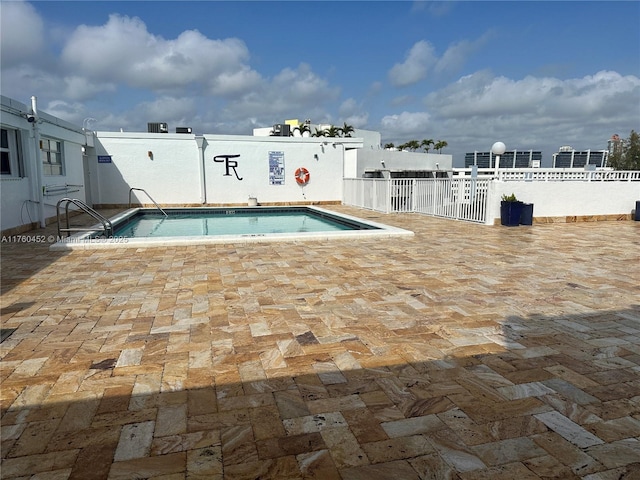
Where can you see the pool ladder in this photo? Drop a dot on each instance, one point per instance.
(145, 192)
(106, 224)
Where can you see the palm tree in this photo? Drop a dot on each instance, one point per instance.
(388, 146)
(412, 145)
(427, 144)
(319, 133)
(303, 127)
(440, 144)
(346, 130)
(332, 131)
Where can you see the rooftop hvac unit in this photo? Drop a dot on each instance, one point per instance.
(157, 128)
(183, 129)
(281, 130)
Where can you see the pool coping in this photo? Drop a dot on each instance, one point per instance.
(81, 241)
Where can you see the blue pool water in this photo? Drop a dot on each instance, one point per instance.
(231, 221)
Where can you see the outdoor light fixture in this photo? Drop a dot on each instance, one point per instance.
(150, 154)
(498, 149)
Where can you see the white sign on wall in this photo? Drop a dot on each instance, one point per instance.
(276, 168)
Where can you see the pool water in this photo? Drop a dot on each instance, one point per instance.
(215, 222)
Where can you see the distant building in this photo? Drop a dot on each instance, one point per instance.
(509, 159)
(567, 157)
(614, 145)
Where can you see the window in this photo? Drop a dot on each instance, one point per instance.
(10, 158)
(51, 151)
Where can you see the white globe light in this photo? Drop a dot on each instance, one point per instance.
(498, 148)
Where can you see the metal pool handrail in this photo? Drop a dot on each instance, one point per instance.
(154, 202)
(106, 223)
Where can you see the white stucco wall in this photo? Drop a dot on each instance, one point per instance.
(569, 198)
(170, 175)
(178, 172)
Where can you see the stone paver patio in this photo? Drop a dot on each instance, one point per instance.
(465, 352)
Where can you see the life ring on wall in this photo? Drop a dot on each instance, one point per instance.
(302, 176)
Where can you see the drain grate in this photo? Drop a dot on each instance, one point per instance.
(5, 333)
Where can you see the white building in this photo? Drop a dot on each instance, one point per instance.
(42, 161)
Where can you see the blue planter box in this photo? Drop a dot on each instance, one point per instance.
(510, 213)
(526, 218)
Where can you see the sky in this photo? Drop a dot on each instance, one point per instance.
(534, 75)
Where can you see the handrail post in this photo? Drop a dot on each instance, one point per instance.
(150, 198)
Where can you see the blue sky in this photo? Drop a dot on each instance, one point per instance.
(535, 75)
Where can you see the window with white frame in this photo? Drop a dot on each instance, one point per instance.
(52, 161)
(10, 155)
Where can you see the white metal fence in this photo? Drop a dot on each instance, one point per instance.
(456, 198)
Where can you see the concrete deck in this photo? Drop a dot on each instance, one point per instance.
(464, 352)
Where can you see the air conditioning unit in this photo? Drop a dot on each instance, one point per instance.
(157, 128)
(281, 130)
(183, 129)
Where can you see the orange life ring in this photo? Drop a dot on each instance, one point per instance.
(302, 176)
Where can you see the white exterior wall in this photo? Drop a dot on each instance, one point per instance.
(170, 175)
(180, 173)
(20, 195)
(570, 198)
(324, 163)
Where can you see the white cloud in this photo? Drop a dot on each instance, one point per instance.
(70, 111)
(546, 99)
(291, 93)
(176, 109)
(534, 113)
(435, 9)
(81, 88)
(422, 58)
(303, 85)
(21, 31)
(228, 84)
(123, 50)
(456, 55)
(406, 124)
(418, 61)
(353, 113)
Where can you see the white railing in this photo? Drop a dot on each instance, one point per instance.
(552, 174)
(369, 193)
(456, 198)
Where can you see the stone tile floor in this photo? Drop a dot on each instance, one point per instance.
(465, 352)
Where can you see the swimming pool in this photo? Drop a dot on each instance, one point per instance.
(148, 227)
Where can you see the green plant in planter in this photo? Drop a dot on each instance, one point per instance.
(510, 210)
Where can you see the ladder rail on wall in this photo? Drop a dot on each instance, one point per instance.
(145, 192)
(106, 223)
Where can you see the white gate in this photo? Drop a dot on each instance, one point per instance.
(456, 198)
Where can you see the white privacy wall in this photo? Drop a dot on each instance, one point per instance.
(226, 170)
(567, 198)
(251, 175)
(165, 165)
